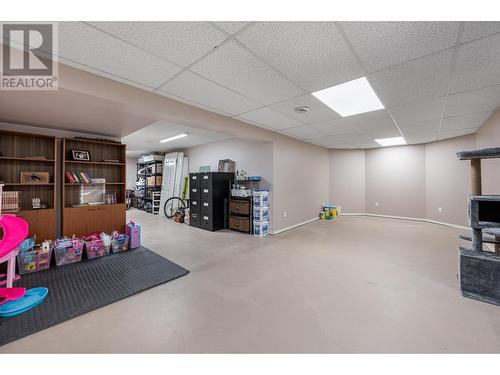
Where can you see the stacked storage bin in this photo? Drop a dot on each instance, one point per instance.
(261, 213)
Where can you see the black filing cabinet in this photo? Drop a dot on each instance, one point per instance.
(208, 197)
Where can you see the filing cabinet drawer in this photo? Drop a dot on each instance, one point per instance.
(194, 192)
(239, 207)
(205, 193)
(194, 205)
(206, 208)
(194, 180)
(205, 179)
(194, 219)
(206, 222)
(239, 223)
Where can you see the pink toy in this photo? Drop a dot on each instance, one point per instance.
(11, 294)
(15, 230)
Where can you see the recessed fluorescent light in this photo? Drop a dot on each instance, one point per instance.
(182, 135)
(396, 141)
(350, 98)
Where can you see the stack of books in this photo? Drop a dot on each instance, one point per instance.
(78, 178)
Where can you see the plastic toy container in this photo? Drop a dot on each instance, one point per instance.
(133, 231)
(261, 198)
(95, 246)
(261, 213)
(260, 228)
(68, 250)
(33, 260)
(119, 243)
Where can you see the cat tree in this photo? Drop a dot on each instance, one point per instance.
(479, 268)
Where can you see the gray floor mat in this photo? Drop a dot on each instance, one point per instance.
(76, 289)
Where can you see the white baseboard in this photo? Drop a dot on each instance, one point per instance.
(293, 226)
(409, 218)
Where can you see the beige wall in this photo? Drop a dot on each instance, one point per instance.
(415, 181)
(395, 178)
(489, 136)
(301, 182)
(447, 180)
(255, 158)
(347, 180)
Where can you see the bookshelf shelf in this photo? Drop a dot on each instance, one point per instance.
(81, 220)
(25, 152)
(94, 163)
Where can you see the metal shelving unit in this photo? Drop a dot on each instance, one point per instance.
(151, 170)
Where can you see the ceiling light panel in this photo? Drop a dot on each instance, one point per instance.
(395, 141)
(178, 136)
(350, 98)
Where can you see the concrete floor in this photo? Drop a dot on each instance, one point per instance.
(357, 285)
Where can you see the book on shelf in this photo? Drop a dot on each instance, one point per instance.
(84, 178)
(69, 177)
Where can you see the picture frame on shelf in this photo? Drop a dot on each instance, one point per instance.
(80, 155)
(35, 178)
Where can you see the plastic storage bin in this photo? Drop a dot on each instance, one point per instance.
(68, 250)
(261, 213)
(33, 259)
(261, 198)
(119, 243)
(95, 247)
(261, 228)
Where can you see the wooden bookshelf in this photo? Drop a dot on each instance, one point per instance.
(82, 220)
(24, 152)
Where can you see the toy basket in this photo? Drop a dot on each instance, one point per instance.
(119, 243)
(68, 250)
(33, 259)
(95, 247)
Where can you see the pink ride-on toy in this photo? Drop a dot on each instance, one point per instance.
(15, 230)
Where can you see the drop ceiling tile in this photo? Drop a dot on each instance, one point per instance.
(384, 44)
(179, 42)
(330, 140)
(419, 138)
(475, 30)
(196, 89)
(318, 112)
(312, 54)
(477, 64)
(234, 67)
(303, 132)
(231, 27)
(270, 119)
(469, 121)
(334, 127)
(420, 79)
(409, 114)
(456, 133)
(377, 124)
(421, 126)
(85, 45)
(482, 100)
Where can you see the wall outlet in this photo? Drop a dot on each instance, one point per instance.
(440, 209)
(377, 204)
(284, 213)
